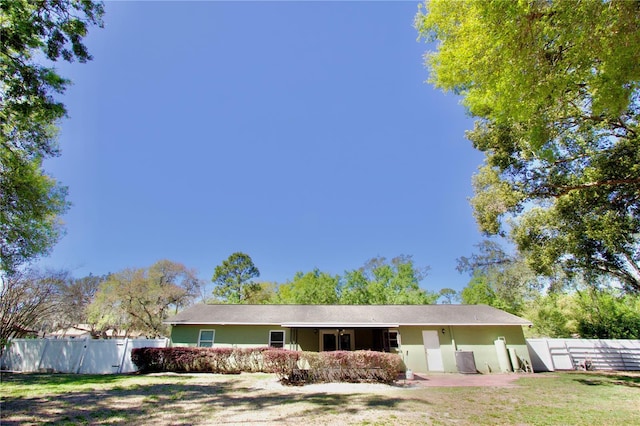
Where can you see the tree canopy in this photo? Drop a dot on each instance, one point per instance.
(28, 301)
(556, 90)
(312, 288)
(558, 306)
(499, 279)
(31, 33)
(381, 282)
(234, 278)
(140, 299)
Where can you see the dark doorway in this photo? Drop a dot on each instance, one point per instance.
(329, 342)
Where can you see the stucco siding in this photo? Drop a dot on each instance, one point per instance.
(411, 348)
(480, 340)
(308, 339)
(226, 336)
(477, 339)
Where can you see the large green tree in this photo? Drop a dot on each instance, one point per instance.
(384, 282)
(261, 293)
(500, 279)
(552, 315)
(32, 33)
(233, 278)
(555, 86)
(312, 288)
(607, 314)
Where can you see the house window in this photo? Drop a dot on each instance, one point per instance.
(394, 339)
(276, 339)
(205, 338)
(391, 340)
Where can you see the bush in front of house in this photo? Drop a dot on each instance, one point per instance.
(291, 367)
(281, 362)
(294, 367)
(347, 366)
(197, 360)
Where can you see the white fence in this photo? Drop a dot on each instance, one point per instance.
(571, 354)
(88, 356)
(84, 356)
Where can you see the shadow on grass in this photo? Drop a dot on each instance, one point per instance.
(174, 402)
(53, 379)
(609, 379)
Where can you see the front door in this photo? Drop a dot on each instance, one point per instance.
(336, 340)
(432, 350)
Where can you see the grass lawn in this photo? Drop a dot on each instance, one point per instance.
(559, 398)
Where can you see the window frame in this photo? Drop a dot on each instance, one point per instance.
(200, 340)
(386, 340)
(284, 338)
(397, 339)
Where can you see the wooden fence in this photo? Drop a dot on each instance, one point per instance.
(572, 354)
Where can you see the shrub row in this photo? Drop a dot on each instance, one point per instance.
(198, 360)
(346, 366)
(292, 367)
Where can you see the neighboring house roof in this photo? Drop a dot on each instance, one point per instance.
(331, 316)
(78, 330)
(84, 330)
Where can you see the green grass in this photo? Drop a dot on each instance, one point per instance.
(559, 398)
(586, 398)
(29, 385)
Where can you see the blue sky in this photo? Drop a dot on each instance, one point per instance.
(301, 133)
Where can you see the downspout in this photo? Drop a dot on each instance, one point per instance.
(453, 340)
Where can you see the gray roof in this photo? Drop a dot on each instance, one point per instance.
(344, 315)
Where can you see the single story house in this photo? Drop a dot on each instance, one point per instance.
(429, 338)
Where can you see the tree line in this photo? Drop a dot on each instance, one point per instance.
(378, 282)
(140, 299)
(558, 304)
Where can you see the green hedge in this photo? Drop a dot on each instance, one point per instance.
(292, 367)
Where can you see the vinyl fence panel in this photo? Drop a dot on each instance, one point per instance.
(571, 354)
(23, 354)
(102, 356)
(86, 356)
(62, 355)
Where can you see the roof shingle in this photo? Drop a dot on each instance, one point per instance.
(345, 315)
